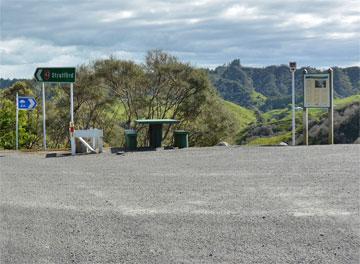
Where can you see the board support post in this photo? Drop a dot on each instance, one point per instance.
(306, 125)
(17, 121)
(331, 108)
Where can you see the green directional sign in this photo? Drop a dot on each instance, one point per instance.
(56, 75)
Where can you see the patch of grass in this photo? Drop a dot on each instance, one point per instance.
(257, 98)
(342, 102)
(243, 116)
(273, 140)
(275, 114)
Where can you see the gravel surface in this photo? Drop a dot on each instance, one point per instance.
(199, 205)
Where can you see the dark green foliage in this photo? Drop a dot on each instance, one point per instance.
(233, 91)
(354, 76)
(342, 84)
(5, 83)
(234, 84)
(28, 120)
(28, 126)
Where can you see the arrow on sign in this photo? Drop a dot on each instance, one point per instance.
(38, 74)
(26, 103)
(32, 103)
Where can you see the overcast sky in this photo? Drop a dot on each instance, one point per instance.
(208, 33)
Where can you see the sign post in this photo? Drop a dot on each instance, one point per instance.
(292, 66)
(44, 115)
(57, 75)
(72, 127)
(23, 103)
(17, 121)
(318, 93)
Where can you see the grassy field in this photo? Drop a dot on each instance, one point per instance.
(341, 102)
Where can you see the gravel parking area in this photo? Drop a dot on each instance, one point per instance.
(197, 205)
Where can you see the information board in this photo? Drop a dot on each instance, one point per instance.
(317, 90)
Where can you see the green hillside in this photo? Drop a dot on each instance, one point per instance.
(243, 116)
(274, 126)
(341, 102)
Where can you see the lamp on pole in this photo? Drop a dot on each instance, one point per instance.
(292, 66)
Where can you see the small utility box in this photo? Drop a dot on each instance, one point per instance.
(181, 139)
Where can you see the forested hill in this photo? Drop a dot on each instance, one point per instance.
(270, 87)
(5, 83)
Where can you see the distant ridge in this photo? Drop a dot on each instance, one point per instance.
(270, 87)
(5, 83)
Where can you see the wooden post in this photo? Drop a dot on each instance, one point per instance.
(331, 108)
(306, 125)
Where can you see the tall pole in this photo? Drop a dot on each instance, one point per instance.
(293, 108)
(331, 108)
(305, 117)
(292, 66)
(44, 115)
(17, 121)
(72, 129)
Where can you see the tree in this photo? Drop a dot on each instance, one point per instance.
(126, 82)
(176, 90)
(214, 124)
(28, 132)
(162, 88)
(23, 88)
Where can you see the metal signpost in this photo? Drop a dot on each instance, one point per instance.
(318, 93)
(23, 103)
(58, 75)
(292, 66)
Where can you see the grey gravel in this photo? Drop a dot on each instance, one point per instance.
(197, 205)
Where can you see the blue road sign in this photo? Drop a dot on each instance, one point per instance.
(26, 103)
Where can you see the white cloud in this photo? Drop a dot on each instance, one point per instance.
(28, 51)
(304, 20)
(116, 16)
(241, 12)
(342, 35)
(204, 32)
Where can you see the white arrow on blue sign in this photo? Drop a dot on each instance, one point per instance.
(26, 103)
